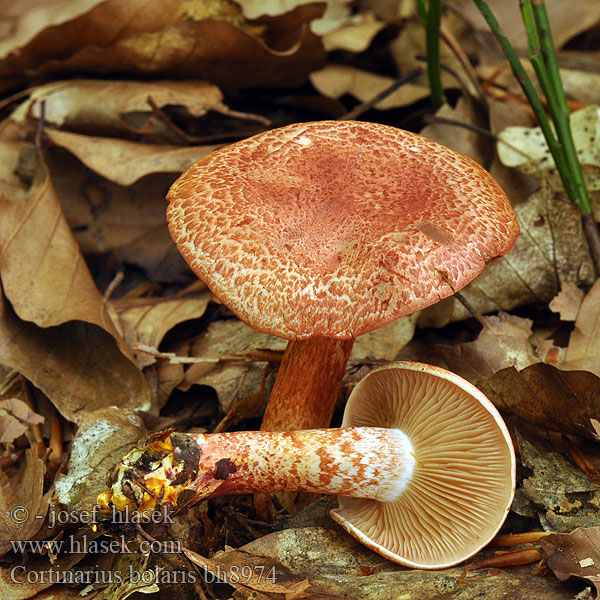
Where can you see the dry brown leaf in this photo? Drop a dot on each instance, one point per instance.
(547, 397)
(122, 108)
(77, 365)
(29, 19)
(335, 80)
(409, 47)
(384, 343)
(562, 495)
(195, 39)
(125, 162)
(566, 18)
(16, 417)
(583, 351)
(575, 554)
(581, 86)
(338, 27)
(550, 252)
(44, 274)
(147, 320)
(39, 34)
(567, 302)
(235, 380)
(22, 502)
(11, 185)
(461, 139)
(337, 566)
(526, 149)
(504, 342)
(263, 574)
(232, 380)
(129, 221)
(353, 34)
(103, 437)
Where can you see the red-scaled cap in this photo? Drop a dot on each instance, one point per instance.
(335, 228)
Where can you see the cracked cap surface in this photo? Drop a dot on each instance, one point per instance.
(335, 228)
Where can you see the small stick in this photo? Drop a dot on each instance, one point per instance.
(516, 539)
(37, 429)
(112, 286)
(55, 445)
(580, 459)
(469, 307)
(369, 104)
(463, 59)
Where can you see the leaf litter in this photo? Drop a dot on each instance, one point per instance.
(107, 343)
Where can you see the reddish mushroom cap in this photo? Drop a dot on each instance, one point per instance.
(335, 228)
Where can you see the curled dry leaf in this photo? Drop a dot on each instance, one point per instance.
(462, 139)
(39, 34)
(525, 149)
(336, 566)
(25, 494)
(128, 222)
(232, 380)
(409, 47)
(583, 351)
(126, 162)
(147, 320)
(384, 343)
(235, 380)
(122, 108)
(16, 417)
(353, 33)
(505, 341)
(338, 27)
(550, 252)
(164, 42)
(77, 365)
(567, 302)
(563, 496)
(567, 19)
(547, 397)
(264, 575)
(334, 81)
(44, 274)
(130, 575)
(102, 438)
(575, 554)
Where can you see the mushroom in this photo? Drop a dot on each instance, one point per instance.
(320, 232)
(423, 463)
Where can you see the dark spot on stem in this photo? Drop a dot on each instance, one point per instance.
(186, 452)
(223, 468)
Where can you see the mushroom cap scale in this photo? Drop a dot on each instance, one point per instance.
(463, 482)
(335, 228)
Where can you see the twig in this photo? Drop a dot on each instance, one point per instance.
(40, 126)
(113, 285)
(476, 129)
(162, 116)
(462, 57)
(369, 104)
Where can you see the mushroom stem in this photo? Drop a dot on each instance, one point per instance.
(307, 384)
(359, 462)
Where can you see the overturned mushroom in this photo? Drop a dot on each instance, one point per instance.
(320, 232)
(424, 466)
